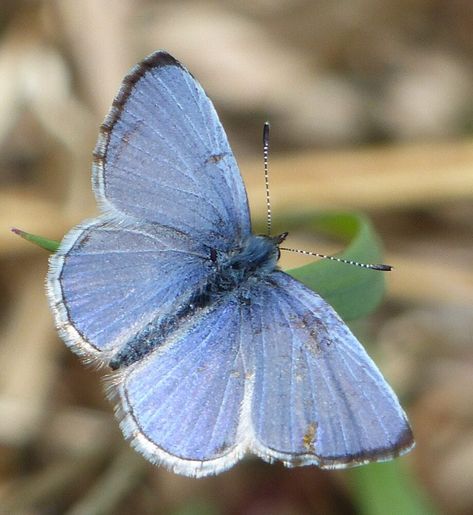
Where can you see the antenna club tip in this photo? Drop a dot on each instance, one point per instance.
(383, 268)
(266, 133)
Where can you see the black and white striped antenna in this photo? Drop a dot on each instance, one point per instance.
(370, 266)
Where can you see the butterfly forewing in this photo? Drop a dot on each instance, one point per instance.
(163, 156)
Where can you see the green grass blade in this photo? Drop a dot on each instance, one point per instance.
(44, 243)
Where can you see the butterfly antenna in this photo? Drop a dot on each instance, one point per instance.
(382, 268)
(266, 173)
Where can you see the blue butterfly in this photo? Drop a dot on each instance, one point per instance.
(217, 353)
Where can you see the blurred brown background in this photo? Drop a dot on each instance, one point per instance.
(371, 108)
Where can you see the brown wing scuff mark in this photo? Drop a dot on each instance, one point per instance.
(309, 437)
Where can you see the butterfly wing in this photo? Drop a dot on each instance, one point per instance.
(163, 156)
(317, 396)
(180, 406)
(108, 280)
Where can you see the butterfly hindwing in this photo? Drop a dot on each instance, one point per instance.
(270, 370)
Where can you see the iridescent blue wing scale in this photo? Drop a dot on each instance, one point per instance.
(163, 156)
(317, 396)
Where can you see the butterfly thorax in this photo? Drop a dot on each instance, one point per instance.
(257, 256)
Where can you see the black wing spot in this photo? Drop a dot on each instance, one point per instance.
(215, 158)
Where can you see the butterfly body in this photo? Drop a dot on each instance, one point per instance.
(216, 353)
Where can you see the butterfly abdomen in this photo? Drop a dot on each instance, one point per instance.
(157, 331)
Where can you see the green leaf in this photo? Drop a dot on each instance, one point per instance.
(352, 291)
(388, 488)
(44, 243)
